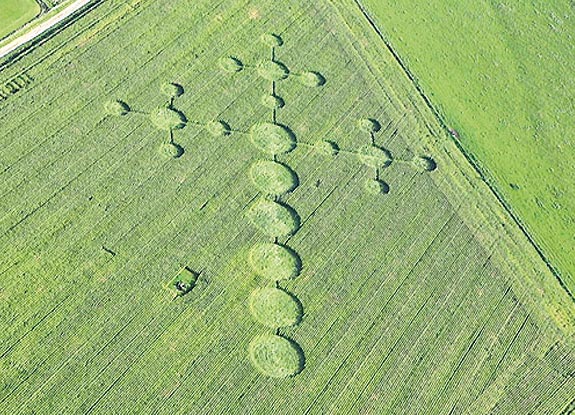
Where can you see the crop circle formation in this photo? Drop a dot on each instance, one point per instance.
(326, 147)
(272, 138)
(218, 128)
(117, 107)
(168, 119)
(172, 90)
(369, 125)
(311, 79)
(274, 308)
(373, 156)
(425, 163)
(272, 101)
(271, 40)
(275, 356)
(274, 262)
(172, 150)
(272, 70)
(375, 186)
(273, 178)
(274, 219)
(231, 64)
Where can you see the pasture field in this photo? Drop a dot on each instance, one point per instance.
(16, 13)
(245, 207)
(500, 74)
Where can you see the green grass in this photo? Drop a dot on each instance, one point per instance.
(426, 299)
(16, 13)
(500, 74)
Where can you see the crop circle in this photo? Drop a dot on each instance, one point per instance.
(168, 119)
(273, 138)
(231, 64)
(272, 101)
(326, 147)
(274, 219)
(172, 90)
(369, 125)
(271, 39)
(218, 128)
(116, 107)
(172, 150)
(275, 308)
(375, 186)
(273, 178)
(375, 157)
(311, 79)
(426, 163)
(272, 70)
(276, 356)
(274, 262)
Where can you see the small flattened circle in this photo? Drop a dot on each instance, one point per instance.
(425, 163)
(116, 107)
(369, 125)
(272, 101)
(311, 79)
(172, 150)
(271, 39)
(231, 64)
(172, 89)
(326, 147)
(374, 186)
(218, 128)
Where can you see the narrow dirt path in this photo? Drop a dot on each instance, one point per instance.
(44, 26)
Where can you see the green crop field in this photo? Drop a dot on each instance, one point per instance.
(500, 74)
(15, 13)
(241, 207)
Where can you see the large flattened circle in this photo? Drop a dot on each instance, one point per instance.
(272, 138)
(273, 178)
(274, 262)
(276, 356)
(275, 308)
(168, 119)
(274, 219)
(272, 70)
(375, 157)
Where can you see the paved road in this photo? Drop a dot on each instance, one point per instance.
(41, 28)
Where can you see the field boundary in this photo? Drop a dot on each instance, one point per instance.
(475, 164)
(36, 36)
